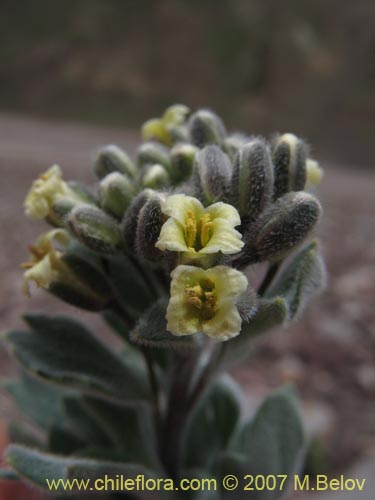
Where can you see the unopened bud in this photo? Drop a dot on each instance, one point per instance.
(212, 172)
(289, 158)
(206, 128)
(155, 177)
(252, 179)
(280, 228)
(182, 162)
(116, 191)
(151, 153)
(150, 222)
(95, 229)
(130, 220)
(233, 143)
(113, 159)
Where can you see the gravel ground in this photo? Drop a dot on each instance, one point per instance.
(329, 355)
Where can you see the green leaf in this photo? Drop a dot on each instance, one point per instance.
(132, 291)
(212, 424)
(62, 350)
(38, 401)
(272, 443)
(151, 330)
(37, 467)
(270, 314)
(8, 475)
(130, 429)
(302, 279)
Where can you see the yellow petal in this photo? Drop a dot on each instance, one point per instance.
(229, 282)
(314, 173)
(224, 239)
(172, 237)
(224, 211)
(178, 206)
(41, 274)
(225, 325)
(180, 320)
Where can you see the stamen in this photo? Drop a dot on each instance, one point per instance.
(191, 229)
(206, 229)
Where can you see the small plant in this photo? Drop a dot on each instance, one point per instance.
(160, 251)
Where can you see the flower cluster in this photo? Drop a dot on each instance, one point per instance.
(197, 202)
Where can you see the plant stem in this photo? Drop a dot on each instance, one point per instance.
(153, 385)
(177, 413)
(271, 273)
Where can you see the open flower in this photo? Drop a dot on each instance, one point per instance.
(45, 191)
(197, 231)
(205, 301)
(64, 274)
(45, 265)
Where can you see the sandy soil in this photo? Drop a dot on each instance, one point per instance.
(329, 354)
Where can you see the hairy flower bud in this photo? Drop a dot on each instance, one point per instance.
(182, 162)
(152, 153)
(116, 191)
(130, 220)
(212, 173)
(155, 177)
(280, 228)
(113, 159)
(289, 158)
(94, 228)
(252, 179)
(206, 128)
(234, 142)
(150, 221)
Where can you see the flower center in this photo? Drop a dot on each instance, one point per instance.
(202, 297)
(197, 233)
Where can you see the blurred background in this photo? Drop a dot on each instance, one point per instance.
(78, 74)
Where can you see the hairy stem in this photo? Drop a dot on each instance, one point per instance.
(271, 273)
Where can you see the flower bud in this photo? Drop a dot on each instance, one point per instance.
(64, 274)
(252, 179)
(212, 172)
(289, 158)
(113, 159)
(150, 222)
(182, 162)
(116, 191)
(151, 153)
(233, 143)
(130, 220)
(206, 128)
(280, 228)
(95, 229)
(155, 177)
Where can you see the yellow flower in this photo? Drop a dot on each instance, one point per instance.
(197, 231)
(160, 129)
(204, 301)
(45, 191)
(45, 265)
(314, 173)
